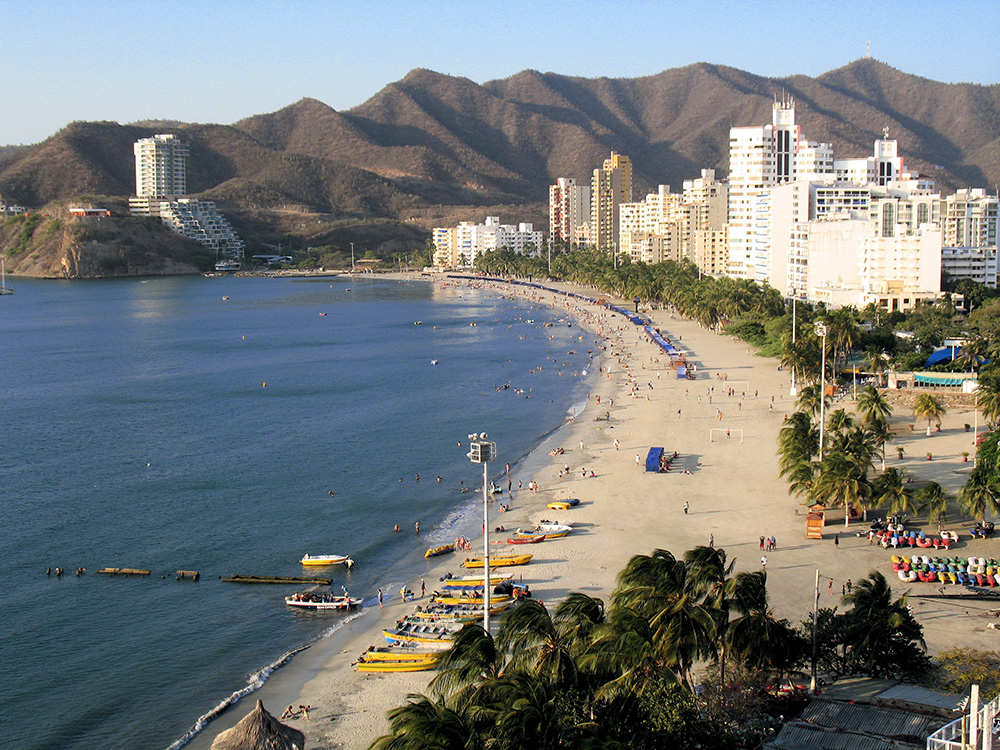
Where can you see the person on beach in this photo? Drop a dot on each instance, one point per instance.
(762, 544)
(711, 541)
(380, 598)
(763, 561)
(423, 588)
(290, 713)
(417, 526)
(836, 541)
(617, 443)
(304, 710)
(687, 505)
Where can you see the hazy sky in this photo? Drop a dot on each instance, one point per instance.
(221, 61)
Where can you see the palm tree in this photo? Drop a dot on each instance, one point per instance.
(424, 723)
(755, 637)
(709, 579)
(809, 400)
(928, 407)
(988, 393)
(472, 660)
(798, 441)
(842, 477)
(934, 500)
(873, 406)
(656, 587)
(980, 495)
(889, 491)
(884, 638)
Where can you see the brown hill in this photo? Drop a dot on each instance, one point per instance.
(434, 140)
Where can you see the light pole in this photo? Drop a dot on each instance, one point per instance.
(815, 617)
(482, 451)
(793, 391)
(352, 257)
(821, 331)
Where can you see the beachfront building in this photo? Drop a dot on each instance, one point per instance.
(202, 222)
(610, 186)
(650, 230)
(569, 213)
(160, 189)
(761, 157)
(703, 223)
(969, 225)
(881, 254)
(459, 246)
(885, 165)
(160, 172)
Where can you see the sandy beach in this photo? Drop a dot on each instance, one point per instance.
(722, 488)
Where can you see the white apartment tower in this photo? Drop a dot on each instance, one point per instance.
(160, 171)
(761, 157)
(569, 211)
(969, 225)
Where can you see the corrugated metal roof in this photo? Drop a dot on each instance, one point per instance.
(877, 720)
(798, 736)
(918, 696)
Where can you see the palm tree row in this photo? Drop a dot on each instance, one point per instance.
(586, 676)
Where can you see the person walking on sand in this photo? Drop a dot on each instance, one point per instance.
(380, 598)
(763, 561)
(762, 544)
(304, 710)
(687, 505)
(711, 541)
(836, 541)
(617, 443)
(423, 588)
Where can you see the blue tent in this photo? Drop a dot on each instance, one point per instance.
(653, 459)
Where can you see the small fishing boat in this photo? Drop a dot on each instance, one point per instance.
(461, 582)
(379, 667)
(399, 653)
(498, 561)
(525, 539)
(322, 602)
(323, 560)
(477, 600)
(473, 609)
(430, 639)
(559, 505)
(441, 550)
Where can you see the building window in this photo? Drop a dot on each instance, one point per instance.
(888, 220)
(923, 214)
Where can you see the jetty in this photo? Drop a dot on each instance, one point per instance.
(194, 575)
(123, 572)
(276, 579)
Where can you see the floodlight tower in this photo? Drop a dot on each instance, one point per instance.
(482, 451)
(821, 331)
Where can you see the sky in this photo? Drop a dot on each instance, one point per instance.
(223, 60)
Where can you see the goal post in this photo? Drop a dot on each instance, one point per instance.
(726, 433)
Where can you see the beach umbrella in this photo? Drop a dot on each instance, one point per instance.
(258, 730)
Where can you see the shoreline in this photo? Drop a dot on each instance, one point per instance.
(733, 491)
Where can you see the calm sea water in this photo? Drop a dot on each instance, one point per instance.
(154, 424)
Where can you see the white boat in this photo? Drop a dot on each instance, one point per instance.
(323, 560)
(229, 264)
(328, 602)
(3, 278)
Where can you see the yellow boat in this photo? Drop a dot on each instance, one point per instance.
(324, 560)
(494, 599)
(370, 656)
(396, 666)
(558, 505)
(498, 561)
(442, 550)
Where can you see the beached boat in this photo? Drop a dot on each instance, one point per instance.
(461, 582)
(559, 505)
(317, 601)
(395, 653)
(323, 560)
(526, 539)
(381, 667)
(429, 639)
(472, 609)
(442, 550)
(478, 600)
(498, 561)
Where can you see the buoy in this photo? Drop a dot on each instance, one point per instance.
(244, 338)
(263, 385)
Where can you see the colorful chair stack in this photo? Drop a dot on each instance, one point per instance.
(972, 571)
(915, 539)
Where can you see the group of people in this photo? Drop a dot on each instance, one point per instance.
(462, 544)
(292, 713)
(768, 543)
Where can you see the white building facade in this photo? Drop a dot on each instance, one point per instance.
(969, 219)
(569, 212)
(459, 246)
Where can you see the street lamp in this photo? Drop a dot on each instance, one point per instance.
(793, 391)
(482, 451)
(821, 331)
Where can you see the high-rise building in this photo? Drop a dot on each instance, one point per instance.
(610, 186)
(650, 230)
(761, 157)
(969, 224)
(160, 172)
(461, 245)
(569, 212)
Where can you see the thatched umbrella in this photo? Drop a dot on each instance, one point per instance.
(258, 730)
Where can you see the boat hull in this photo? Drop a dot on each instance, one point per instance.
(499, 561)
(317, 561)
(339, 603)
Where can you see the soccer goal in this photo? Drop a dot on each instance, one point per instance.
(726, 434)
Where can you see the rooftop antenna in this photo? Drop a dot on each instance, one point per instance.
(868, 50)
(885, 133)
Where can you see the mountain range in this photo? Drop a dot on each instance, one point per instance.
(432, 148)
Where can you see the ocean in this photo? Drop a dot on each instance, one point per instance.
(201, 424)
